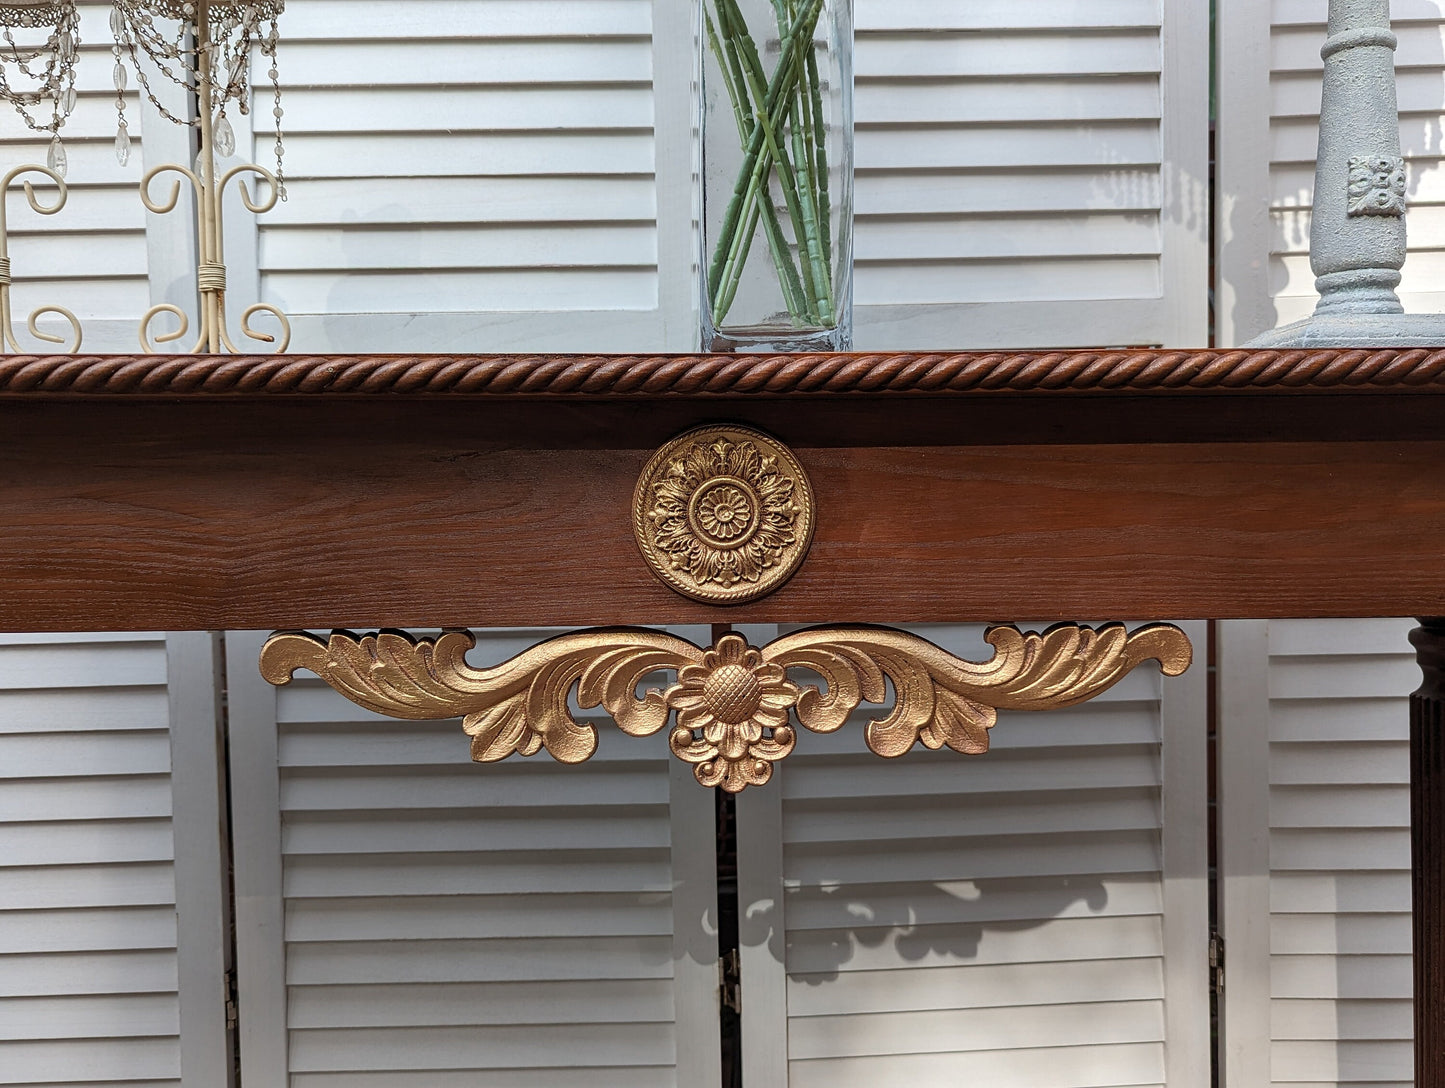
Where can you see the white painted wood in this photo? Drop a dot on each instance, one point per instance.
(1184, 757)
(762, 929)
(171, 243)
(242, 230)
(441, 916)
(256, 864)
(1243, 815)
(96, 946)
(696, 997)
(517, 181)
(1184, 86)
(502, 145)
(203, 938)
(1242, 219)
(1314, 736)
(1339, 824)
(674, 121)
(1087, 128)
(1015, 917)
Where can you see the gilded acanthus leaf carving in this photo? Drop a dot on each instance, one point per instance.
(943, 700)
(519, 706)
(734, 703)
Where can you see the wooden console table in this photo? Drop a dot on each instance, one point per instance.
(374, 491)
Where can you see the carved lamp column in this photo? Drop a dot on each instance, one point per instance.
(1357, 237)
(1357, 232)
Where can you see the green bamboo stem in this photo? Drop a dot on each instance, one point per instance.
(820, 160)
(803, 145)
(778, 247)
(735, 29)
(788, 182)
(748, 174)
(758, 195)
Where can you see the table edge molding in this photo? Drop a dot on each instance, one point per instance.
(1127, 371)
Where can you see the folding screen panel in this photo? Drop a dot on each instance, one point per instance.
(408, 918)
(1033, 917)
(112, 900)
(1315, 852)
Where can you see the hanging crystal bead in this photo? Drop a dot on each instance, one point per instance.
(224, 136)
(117, 22)
(122, 145)
(120, 77)
(56, 158)
(67, 100)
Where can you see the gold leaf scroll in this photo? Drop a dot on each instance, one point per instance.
(733, 702)
(518, 706)
(942, 700)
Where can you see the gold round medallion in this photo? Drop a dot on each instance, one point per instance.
(723, 514)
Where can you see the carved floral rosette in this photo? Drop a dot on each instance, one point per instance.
(735, 705)
(723, 514)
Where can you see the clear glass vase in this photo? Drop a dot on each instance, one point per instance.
(776, 132)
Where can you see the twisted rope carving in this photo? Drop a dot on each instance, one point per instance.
(725, 375)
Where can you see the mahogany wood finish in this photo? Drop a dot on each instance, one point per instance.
(172, 492)
(237, 511)
(724, 375)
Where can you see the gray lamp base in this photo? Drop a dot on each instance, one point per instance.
(1357, 331)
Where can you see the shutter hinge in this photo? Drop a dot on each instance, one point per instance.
(1216, 963)
(729, 981)
(232, 1014)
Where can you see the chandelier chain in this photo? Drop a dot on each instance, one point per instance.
(203, 46)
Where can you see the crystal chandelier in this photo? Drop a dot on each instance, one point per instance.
(204, 46)
(216, 66)
(37, 73)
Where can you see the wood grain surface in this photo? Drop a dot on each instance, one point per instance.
(350, 512)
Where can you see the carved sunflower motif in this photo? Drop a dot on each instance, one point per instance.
(724, 514)
(732, 715)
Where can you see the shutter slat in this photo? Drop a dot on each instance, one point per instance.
(447, 922)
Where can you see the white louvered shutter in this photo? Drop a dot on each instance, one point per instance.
(1002, 920)
(410, 919)
(91, 257)
(1270, 72)
(108, 804)
(473, 176)
(1031, 174)
(1315, 737)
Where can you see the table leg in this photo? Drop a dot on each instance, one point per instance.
(1427, 842)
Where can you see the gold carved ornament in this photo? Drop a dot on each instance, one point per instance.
(735, 704)
(723, 514)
